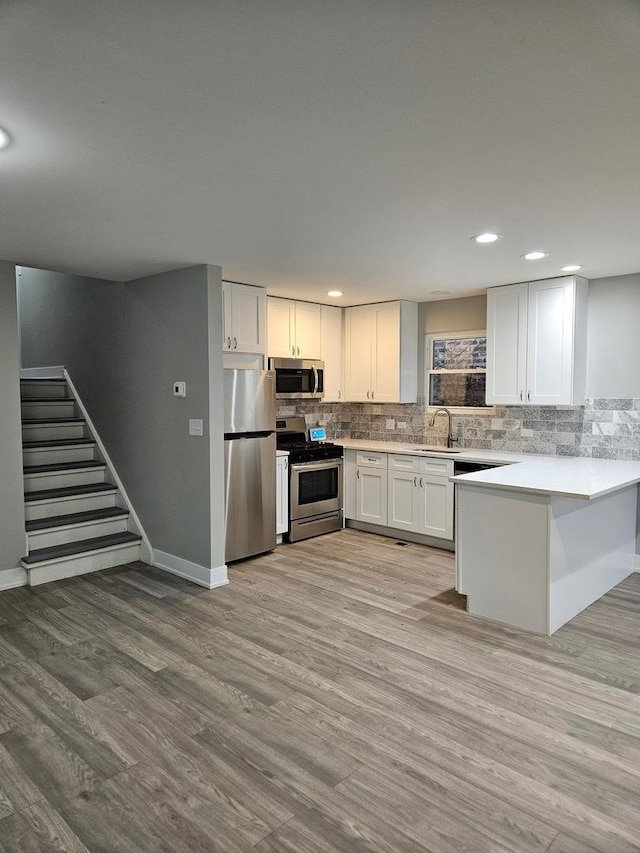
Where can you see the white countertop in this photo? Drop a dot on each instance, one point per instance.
(576, 476)
(282, 452)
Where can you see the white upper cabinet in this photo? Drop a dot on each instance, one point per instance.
(381, 353)
(331, 352)
(244, 318)
(536, 343)
(294, 328)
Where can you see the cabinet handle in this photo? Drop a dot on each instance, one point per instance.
(420, 482)
(293, 350)
(521, 396)
(228, 343)
(298, 353)
(373, 394)
(286, 463)
(415, 482)
(367, 395)
(339, 392)
(529, 396)
(235, 343)
(358, 473)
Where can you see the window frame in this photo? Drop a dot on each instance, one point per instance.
(430, 337)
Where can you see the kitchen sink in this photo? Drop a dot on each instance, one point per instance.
(436, 448)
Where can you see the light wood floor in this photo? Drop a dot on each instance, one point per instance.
(334, 697)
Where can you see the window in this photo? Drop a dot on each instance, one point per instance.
(456, 369)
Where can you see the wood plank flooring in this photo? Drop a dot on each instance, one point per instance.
(334, 698)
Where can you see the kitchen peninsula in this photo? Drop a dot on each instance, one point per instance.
(537, 538)
(538, 541)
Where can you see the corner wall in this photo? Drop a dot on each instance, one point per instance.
(12, 531)
(124, 345)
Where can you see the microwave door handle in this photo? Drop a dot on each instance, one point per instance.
(315, 379)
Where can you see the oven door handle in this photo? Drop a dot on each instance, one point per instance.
(319, 465)
(315, 379)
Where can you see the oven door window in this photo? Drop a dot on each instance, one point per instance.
(318, 485)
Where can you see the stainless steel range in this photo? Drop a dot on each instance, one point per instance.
(315, 479)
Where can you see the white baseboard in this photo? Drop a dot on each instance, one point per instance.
(42, 372)
(10, 578)
(636, 563)
(209, 578)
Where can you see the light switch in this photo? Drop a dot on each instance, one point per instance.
(390, 423)
(195, 426)
(179, 389)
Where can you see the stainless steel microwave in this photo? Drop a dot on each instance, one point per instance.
(298, 378)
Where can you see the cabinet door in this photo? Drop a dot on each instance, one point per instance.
(282, 494)
(371, 495)
(386, 353)
(227, 321)
(331, 352)
(550, 342)
(507, 344)
(436, 506)
(403, 503)
(308, 320)
(248, 318)
(357, 354)
(281, 322)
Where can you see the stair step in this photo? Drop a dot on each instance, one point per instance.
(75, 518)
(47, 400)
(69, 491)
(43, 388)
(57, 552)
(64, 467)
(55, 421)
(54, 443)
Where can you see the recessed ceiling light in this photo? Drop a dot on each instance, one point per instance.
(571, 268)
(535, 256)
(335, 293)
(486, 237)
(5, 139)
(440, 293)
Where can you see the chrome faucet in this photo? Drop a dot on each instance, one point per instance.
(451, 439)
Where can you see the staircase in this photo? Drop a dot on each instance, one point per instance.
(77, 521)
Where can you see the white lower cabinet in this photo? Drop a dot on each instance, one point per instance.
(371, 488)
(417, 491)
(282, 496)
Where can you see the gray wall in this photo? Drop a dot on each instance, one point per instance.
(613, 343)
(12, 535)
(124, 345)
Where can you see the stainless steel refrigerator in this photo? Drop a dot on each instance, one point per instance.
(249, 462)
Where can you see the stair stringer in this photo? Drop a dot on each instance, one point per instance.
(146, 551)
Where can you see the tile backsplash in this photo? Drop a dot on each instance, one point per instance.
(604, 427)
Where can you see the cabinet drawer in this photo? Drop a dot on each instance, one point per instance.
(371, 460)
(443, 467)
(404, 463)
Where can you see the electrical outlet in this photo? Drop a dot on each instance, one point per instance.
(401, 424)
(390, 423)
(179, 389)
(195, 426)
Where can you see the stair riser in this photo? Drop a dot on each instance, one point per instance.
(48, 410)
(82, 564)
(61, 536)
(52, 456)
(46, 509)
(41, 482)
(51, 432)
(44, 389)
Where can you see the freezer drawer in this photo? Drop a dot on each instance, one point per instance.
(250, 496)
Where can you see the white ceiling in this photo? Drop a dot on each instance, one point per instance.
(311, 144)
